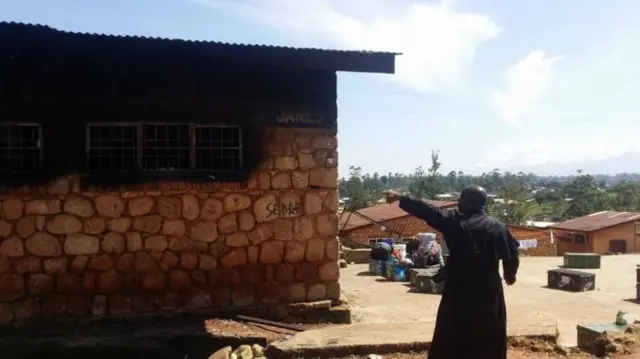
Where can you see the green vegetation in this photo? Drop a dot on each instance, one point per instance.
(518, 197)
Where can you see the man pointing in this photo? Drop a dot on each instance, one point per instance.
(472, 317)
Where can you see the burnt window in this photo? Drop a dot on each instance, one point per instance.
(112, 147)
(218, 148)
(20, 148)
(164, 148)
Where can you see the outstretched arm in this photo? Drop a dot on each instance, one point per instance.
(440, 220)
(511, 264)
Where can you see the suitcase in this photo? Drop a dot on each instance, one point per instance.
(424, 283)
(571, 280)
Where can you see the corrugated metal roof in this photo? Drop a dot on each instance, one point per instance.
(382, 212)
(597, 221)
(339, 60)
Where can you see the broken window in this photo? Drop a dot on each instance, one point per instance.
(164, 147)
(20, 148)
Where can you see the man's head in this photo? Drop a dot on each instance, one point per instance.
(472, 199)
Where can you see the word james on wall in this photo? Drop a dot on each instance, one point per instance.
(294, 117)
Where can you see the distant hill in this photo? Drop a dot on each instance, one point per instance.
(626, 163)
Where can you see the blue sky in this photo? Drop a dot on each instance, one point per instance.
(489, 83)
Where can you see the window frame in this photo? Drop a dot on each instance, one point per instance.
(39, 148)
(193, 147)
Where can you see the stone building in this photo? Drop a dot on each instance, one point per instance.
(392, 221)
(142, 174)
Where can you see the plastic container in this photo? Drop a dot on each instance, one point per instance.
(401, 248)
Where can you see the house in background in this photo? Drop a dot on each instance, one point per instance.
(533, 241)
(158, 175)
(601, 232)
(358, 226)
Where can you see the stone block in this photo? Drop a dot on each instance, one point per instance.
(43, 245)
(302, 228)
(134, 241)
(13, 208)
(189, 260)
(312, 203)
(12, 287)
(26, 226)
(315, 250)
(228, 223)
(140, 206)
(204, 231)
(55, 266)
(78, 206)
(180, 244)
(282, 180)
(212, 210)
(94, 226)
(329, 271)
(316, 292)
(113, 243)
(64, 224)
(246, 221)
(148, 224)
(6, 228)
(101, 262)
(170, 207)
(12, 247)
(190, 207)
(238, 239)
(119, 225)
(109, 206)
(41, 206)
(283, 229)
(261, 233)
(294, 252)
(156, 243)
(263, 208)
(236, 202)
(235, 258)
(271, 252)
(78, 244)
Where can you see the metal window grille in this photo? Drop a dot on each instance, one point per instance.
(112, 147)
(20, 148)
(164, 147)
(218, 148)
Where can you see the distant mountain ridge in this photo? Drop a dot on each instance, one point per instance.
(626, 163)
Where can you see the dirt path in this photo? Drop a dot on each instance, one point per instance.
(375, 300)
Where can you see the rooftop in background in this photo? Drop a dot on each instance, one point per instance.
(381, 213)
(309, 58)
(597, 221)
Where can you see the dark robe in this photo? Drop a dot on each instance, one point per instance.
(472, 317)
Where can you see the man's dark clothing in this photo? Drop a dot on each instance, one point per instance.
(472, 317)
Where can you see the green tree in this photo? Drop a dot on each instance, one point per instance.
(584, 196)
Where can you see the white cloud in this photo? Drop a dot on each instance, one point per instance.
(526, 82)
(566, 150)
(437, 42)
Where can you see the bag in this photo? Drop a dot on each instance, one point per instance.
(380, 252)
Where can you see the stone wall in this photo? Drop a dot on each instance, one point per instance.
(67, 251)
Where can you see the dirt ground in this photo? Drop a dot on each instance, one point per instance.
(375, 300)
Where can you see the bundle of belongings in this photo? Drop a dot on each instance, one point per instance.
(394, 265)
